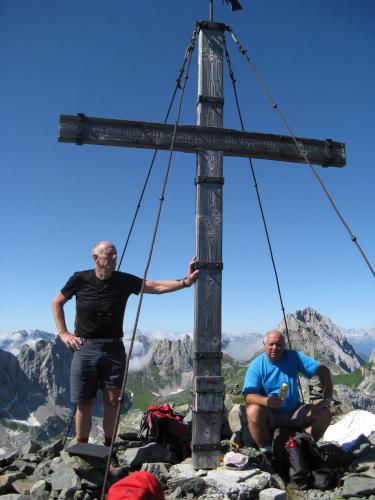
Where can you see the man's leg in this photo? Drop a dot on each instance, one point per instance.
(112, 371)
(111, 404)
(320, 422)
(258, 421)
(83, 386)
(83, 420)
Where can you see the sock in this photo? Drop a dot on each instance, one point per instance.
(107, 441)
(266, 450)
(82, 440)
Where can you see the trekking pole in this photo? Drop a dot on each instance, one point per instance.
(69, 425)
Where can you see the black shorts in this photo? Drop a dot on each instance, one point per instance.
(98, 364)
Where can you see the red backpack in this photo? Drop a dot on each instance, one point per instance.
(166, 426)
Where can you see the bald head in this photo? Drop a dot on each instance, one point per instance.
(274, 345)
(104, 254)
(276, 334)
(101, 247)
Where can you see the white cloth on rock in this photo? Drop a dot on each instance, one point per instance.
(350, 427)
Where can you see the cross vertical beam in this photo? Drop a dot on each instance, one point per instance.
(208, 384)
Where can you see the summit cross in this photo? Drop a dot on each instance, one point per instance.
(210, 142)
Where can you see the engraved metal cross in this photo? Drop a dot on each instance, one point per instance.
(209, 141)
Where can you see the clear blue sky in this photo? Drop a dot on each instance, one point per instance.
(120, 59)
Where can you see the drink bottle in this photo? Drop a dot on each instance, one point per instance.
(283, 390)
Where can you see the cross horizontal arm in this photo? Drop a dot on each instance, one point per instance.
(82, 129)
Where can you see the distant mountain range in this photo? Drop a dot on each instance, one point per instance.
(13, 341)
(239, 347)
(242, 347)
(362, 339)
(35, 397)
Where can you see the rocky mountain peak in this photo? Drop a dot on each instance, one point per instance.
(14, 389)
(317, 336)
(169, 354)
(47, 366)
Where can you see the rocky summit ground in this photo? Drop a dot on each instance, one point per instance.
(36, 392)
(51, 472)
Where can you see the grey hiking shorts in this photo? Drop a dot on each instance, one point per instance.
(299, 417)
(99, 363)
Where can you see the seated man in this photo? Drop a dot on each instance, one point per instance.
(267, 409)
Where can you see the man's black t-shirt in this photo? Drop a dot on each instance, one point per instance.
(100, 303)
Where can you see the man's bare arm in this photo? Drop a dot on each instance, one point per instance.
(324, 375)
(69, 339)
(167, 286)
(271, 402)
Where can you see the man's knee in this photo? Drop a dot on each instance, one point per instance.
(112, 397)
(256, 413)
(320, 424)
(85, 406)
(325, 415)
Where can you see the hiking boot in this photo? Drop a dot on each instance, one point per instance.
(266, 462)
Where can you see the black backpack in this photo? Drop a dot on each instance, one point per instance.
(299, 459)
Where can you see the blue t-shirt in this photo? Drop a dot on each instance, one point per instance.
(265, 377)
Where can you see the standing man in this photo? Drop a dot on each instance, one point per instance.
(267, 409)
(99, 354)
